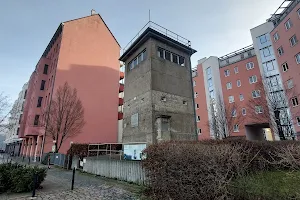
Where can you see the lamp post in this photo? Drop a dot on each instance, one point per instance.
(279, 127)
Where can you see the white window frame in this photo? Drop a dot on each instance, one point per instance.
(280, 49)
(210, 82)
(290, 84)
(233, 113)
(294, 99)
(236, 128)
(249, 65)
(276, 37)
(238, 83)
(258, 111)
(195, 94)
(244, 113)
(197, 106)
(256, 94)
(229, 86)
(293, 40)
(298, 118)
(225, 73)
(236, 70)
(251, 79)
(208, 71)
(198, 118)
(194, 83)
(268, 52)
(288, 24)
(285, 67)
(297, 57)
(199, 131)
(241, 99)
(265, 37)
(231, 99)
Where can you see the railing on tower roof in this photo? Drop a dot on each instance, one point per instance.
(161, 30)
(286, 7)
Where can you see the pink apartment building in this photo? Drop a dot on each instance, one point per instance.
(285, 38)
(84, 53)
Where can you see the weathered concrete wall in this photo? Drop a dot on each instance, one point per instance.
(130, 171)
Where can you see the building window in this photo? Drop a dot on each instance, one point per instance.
(199, 131)
(231, 99)
(236, 128)
(211, 94)
(266, 52)
(39, 104)
(43, 85)
(241, 97)
(269, 66)
(45, 69)
(20, 118)
(184, 102)
(280, 51)
(197, 106)
(226, 72)
(194, 83)
(196, 94)
(210, 83)
(285, 67)
(236, 70)
(36, 120)
(242, 56)
(250, 65)
(252, 79)
(229, 86)
(167, 55)
(227, 61)
(298, 11)
(276, 36)
(233, 113)
(290, 84)
(208, 71)
(198, 118)
(249, 53)
(238, 83)
(134, 120)
(293, 40)
(298, 121)
(258, 109)
(263, 39)
(243, 111)
(295, 101)
(256, 93)
(288, 24)
(297, 58)
(137, 60)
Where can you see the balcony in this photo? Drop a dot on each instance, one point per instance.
(122, 75)
(121, 101)
(121, 87)
(120, 115)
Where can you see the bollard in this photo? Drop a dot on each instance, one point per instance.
(73, 177)
(22, 158)
(34, 184)
(28, 160)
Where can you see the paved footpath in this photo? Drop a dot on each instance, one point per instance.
(57, 186)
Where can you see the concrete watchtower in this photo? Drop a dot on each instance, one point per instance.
(158, 98)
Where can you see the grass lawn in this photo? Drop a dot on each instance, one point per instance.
(268, 185)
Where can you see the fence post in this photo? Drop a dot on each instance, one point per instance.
(73, 177)
(34, 183)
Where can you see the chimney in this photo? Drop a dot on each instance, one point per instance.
(93, 12)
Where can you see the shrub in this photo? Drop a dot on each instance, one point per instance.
(204, 170)
(19, 178)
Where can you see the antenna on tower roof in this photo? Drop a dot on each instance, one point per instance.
(93, 12)
(149, 15)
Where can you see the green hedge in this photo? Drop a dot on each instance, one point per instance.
(19, 178)
(205, 169)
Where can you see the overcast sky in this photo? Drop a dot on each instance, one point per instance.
(215, 27)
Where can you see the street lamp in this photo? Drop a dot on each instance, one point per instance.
(279, 127)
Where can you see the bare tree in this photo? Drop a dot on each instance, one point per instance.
(65, 116)
(274, 98)
(224, 116)
(4, 113)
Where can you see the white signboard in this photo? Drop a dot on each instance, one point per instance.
(84, 160)
(53, 148)
(133, 151)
